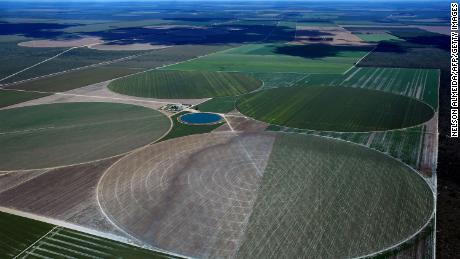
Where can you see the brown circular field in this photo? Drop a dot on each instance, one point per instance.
(265, 195)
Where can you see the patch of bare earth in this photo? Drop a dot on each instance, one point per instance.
(191, 195)
(65, 194)
(9, 180)
(326, 35)
(127, 47)
(85, 41)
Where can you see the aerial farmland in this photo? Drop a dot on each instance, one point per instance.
(220, 129)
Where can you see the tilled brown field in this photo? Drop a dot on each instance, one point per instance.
(66, 194)
(191, 195)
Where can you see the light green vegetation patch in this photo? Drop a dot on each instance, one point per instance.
(420, 84)
(279, 58)
(331, 199)
(10, 97)
(61, 134)
(34, 239)
(218, 105)
(180, 129)
(376, 37)
(340, 109)
(184, 84)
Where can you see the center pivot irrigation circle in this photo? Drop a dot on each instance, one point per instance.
(53, 135)
(340, 109)
(265, 195)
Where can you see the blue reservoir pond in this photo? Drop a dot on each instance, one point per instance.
(200, 118)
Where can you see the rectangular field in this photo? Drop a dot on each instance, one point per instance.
(17, 233)
(29, 238)
(279, 58)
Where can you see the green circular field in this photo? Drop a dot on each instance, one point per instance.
(68, 133)
(339, 109)
(184, 84)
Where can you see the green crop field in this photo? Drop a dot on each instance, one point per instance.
(218, 104)
(184, 84)
(315, 58)
(331, 199)
(10, 97)
(17, 233)
(60, 134)
(334, 109)
(403, 144)
(271, 80)
(421, 84)
(180, 129)
(376, 37)
(34, 239)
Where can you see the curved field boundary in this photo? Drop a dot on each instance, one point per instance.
(168, 163)
(425, 179)
(171, 84)
(209, 123)
(334, 109)
(58, 137)
(421, 84)
(287, 221)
